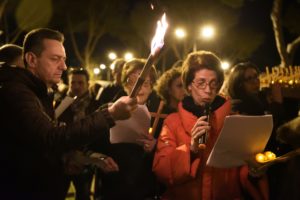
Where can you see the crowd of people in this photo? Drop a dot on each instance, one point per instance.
(163, 157)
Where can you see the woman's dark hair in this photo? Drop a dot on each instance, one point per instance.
(236, 78)
(164, 83)
(198, 60)
(118, 65)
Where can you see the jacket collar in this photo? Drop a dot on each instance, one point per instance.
(24, 77)
(189, 117)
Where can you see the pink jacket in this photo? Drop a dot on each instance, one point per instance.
(193, 180)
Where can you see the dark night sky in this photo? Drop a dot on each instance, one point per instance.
(254, 14)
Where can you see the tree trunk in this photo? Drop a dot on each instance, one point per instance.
(277, 27)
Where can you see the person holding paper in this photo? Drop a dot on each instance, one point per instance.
(248, 99)
(134, 180)
(178, 161)
(33, 143)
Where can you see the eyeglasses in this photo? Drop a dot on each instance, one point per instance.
(202, 83)
(252, 79)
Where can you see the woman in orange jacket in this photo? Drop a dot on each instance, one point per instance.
(180, 159)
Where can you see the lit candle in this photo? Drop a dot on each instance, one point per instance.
(270, 155)
(260, 157)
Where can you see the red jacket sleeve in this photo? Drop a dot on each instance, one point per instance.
(172, 164)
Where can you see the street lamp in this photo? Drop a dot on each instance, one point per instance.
(112, 55)
(102, 66)
(96, 71)
(225, 65)
(128, 56)
(207, 32)
(180, 33)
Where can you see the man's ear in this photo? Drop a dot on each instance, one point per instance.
(31, 59)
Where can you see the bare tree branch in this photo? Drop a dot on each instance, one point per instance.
(73, 40)
(291, 47)
(277, 27)
(2, 8)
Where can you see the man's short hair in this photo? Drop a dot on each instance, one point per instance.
(79, 71)
(33, 41)
(9, 53)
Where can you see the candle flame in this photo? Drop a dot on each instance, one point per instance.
(158, 39)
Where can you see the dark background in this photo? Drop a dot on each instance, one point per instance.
(130, 25)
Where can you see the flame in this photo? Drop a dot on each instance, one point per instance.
(152, 7)
(158, 39)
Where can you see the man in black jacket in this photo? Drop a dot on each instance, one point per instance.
(32, 142)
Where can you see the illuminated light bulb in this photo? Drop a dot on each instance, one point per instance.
(291, 82)
(260, 157)
(270, 155)
(150, 130)
(280, 81)
(272, 82)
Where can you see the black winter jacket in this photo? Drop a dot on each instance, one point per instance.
(32, 143)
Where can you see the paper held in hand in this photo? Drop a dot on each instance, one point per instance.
(136, 127)
(65, 103)
(241, 137)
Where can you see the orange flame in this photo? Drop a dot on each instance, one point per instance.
(158, 39)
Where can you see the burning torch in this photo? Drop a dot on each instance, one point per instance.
(156, 45)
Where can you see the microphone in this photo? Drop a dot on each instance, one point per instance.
(207, 110)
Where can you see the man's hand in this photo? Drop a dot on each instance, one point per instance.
(105, 163)
(122, 108)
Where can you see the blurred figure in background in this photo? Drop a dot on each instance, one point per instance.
(78, 79)
(248, 99)
(104, 95)
(135, 179)
(11, 55)
(114, 90)
(170, 89)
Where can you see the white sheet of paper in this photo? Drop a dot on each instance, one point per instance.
(241, 137)
(65, 103)
(136, 127)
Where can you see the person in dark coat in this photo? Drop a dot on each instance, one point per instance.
(78, 79)
(11, 55)
(32, 141)
(248, 99)
(115, 89)
(134, 180)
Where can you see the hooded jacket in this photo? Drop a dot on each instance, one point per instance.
(32, 143)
